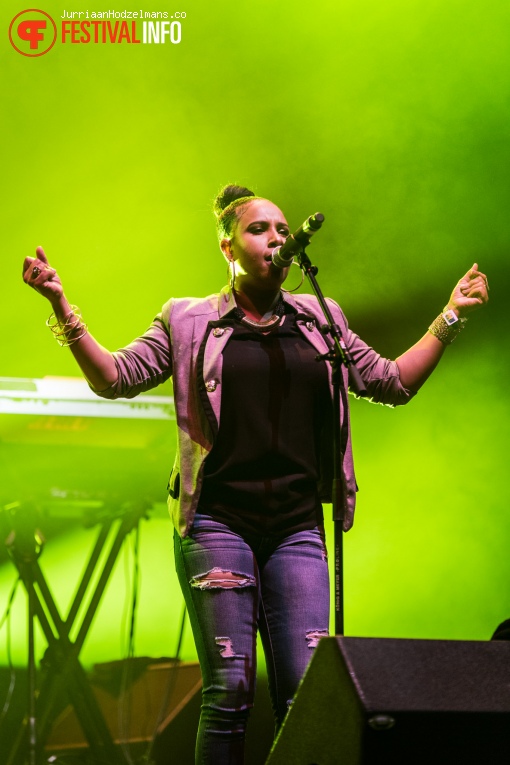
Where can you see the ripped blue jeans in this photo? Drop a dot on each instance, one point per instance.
(234, 585)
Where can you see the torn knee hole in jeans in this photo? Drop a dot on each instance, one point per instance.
(313, 637)
(221, 579)
(226, 649)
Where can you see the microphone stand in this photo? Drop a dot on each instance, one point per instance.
(338, 354)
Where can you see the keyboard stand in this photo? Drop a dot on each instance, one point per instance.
(61, 665)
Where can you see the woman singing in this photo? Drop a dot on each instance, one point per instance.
(253, 464)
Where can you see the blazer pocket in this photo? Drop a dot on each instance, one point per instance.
(174, 484)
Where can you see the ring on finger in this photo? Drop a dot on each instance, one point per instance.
(36, 271)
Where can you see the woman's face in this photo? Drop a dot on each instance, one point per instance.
(261, 226)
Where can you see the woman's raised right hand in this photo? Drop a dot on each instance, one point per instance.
(39, 275)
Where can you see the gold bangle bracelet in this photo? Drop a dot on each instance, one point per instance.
(63, 330)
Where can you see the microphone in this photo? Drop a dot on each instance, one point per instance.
(283, 256)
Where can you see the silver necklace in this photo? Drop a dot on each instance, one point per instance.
(261, 326)
(265, 324)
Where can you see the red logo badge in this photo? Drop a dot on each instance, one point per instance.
(32, 32)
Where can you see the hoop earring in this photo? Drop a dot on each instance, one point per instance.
(300, 283)
(231, 273)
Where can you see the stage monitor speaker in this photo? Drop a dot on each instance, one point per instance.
(371, 701)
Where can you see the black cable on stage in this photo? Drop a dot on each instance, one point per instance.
(125, 697)
(146, 759)
(6, 617)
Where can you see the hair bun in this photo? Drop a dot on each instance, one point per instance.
(229, 194)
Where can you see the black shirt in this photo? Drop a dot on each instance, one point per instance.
(261, 475)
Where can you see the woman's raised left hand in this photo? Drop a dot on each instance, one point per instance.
(470, 292)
